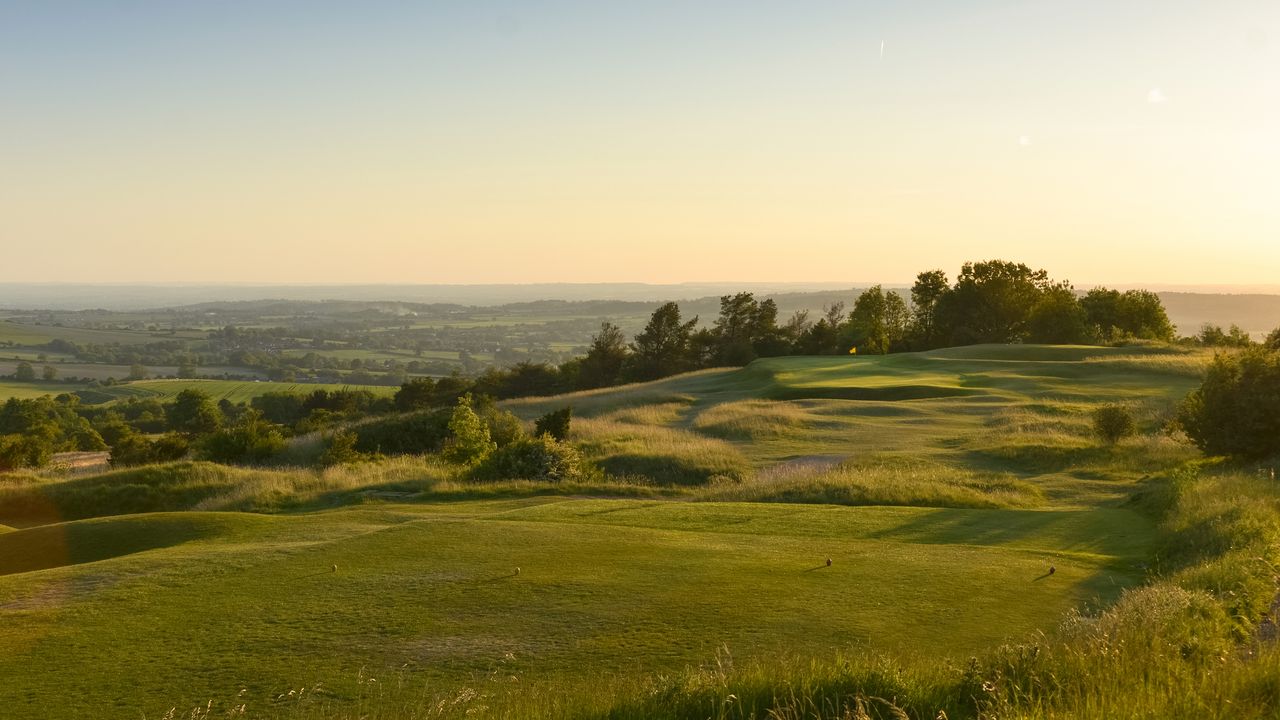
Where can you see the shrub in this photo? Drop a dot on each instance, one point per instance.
(412, 434)
(504, 427)
(554, 423)
(1113, 423)
(1236, 411)
(130, 449)
(250, 439)
(340, 449)
(169, 448)
(469, 440)
(533, 458)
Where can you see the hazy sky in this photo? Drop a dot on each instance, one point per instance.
(472, 141)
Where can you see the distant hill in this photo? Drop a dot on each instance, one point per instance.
(1257, 313)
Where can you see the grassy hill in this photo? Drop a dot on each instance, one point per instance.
(942, 487)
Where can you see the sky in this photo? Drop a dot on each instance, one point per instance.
(480, 141)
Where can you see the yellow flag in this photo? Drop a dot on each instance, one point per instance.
(853, 351)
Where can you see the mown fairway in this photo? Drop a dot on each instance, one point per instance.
(175, 609)
(975, 470)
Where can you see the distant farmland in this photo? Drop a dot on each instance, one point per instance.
(236, 391)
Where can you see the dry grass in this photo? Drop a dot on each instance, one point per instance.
(1191, 364)
(752, 420)
(885, 481)
(667, 456)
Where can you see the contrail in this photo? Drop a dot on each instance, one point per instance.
(882, 50)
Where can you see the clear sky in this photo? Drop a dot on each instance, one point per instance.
(1114, 141)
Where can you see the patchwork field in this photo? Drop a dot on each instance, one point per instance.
(942, 487)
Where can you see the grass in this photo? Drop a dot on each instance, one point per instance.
(693, 583)
(174, 597)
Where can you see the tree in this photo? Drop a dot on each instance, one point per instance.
(795, 328)
(1143, 316)
(417, 394)
(554, 423)
(130, 449)
(24, 372)
(878, 321)
(137, 372)
(284, 408)
(745, 330)
(49, 372)
(1113, 423)
(1058, 317)
(990, 303)
(1213, 336)
(1233, 412)
(1113, 316)
(469, 440)
(823, 336)
(602, 366)
(927, 291)
(194, 413)
(662, 349)
(1273, 340)
(21, 451)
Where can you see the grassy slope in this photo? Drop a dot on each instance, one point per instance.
(201, 605)
(995, 410)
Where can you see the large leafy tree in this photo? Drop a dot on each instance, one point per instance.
(1112, 315)
(878, 321)
(990, 302)
(662, 348)
(605, 359)
(193, 412)
(926, 293)
(1058, 317)
(745, 330)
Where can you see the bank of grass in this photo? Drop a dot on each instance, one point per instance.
(659, 454)
(884, 481)
(27, 500)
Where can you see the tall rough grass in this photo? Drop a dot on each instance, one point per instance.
(884, 481)
(666, 456)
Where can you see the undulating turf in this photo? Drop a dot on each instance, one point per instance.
(974, 469)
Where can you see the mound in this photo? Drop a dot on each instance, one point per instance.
(86, 541)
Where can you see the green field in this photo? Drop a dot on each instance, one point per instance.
(237, 391)
(942, 487)
(28, 334)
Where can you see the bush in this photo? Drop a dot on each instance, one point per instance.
(413, 434)
(1113, 423)
(340, 449)
(252, 439)
(533, 458)
(1236, 411)
(555, 424)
